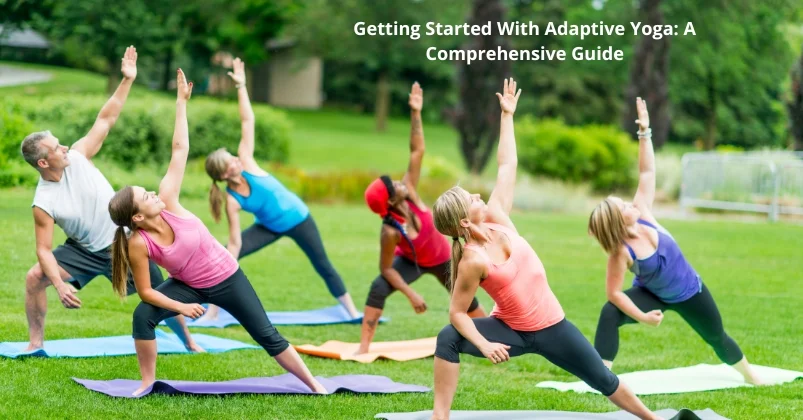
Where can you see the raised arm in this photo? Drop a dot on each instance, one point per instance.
(645, 195)
(90, 144)
(501, 200)
(246, 149)
(170, 187)
(416, 103)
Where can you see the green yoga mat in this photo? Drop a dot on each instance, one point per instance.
(686, 379)
(669, 413)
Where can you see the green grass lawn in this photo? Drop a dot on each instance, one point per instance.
(753, 270)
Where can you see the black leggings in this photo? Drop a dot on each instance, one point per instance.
(381, 289)
(562, 344)
(700, 312)
(307, 237)
(235, 295)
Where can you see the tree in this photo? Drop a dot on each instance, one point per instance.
(794, 105)
(726, 80)
(649, 77)
(477, 114)
(327, 29)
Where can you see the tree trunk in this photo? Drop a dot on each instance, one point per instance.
(382, 101)
(795, 105)
(112, 77)
(710, 139)
(168, 73)
(649, 78)
(476, 116)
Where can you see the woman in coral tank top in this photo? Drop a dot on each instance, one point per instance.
(201, 269)
(410, 244)
(527, 318)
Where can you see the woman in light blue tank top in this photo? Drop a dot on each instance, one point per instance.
(278, 211)
(664, 279)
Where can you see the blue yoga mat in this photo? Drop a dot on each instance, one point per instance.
(324, 316)
(118, 346)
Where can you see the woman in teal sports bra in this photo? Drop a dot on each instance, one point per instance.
(278, 212)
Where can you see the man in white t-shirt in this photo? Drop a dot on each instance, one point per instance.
(73, 194)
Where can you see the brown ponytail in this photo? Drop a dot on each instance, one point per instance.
(122, 210)
(215, 201)
(607, 225)
(447, 212)
(120, 263)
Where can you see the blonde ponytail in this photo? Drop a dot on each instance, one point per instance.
(447, 212)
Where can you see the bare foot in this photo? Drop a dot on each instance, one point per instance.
(207, 317)
(755, 380)
(360, 351)
(140, 390)
(32, 347)
(195, 348)
(319, 389)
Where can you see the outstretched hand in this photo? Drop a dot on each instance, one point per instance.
(509, 97)
(129, 64)
(643, 120)
(416, 97)
(238, 74)
(184, 89)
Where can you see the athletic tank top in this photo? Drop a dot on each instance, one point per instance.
(432, 248)
(195, 257)
(519, 288)
(665, 273)
(273, 205)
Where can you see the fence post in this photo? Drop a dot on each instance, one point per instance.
(776, 187)
(684, 210)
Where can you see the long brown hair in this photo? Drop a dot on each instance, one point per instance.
(607, 225)
(447, 212)
(122, 209)
(216, 165)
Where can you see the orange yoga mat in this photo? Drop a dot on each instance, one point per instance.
(400, 351)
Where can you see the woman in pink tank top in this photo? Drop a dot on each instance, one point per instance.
(527, 317)
(201, 269)
(410, 244)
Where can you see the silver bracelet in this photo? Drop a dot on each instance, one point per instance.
(240, 86)
(645, 134)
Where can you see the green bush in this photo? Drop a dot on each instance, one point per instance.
(14, 170)
(604, 156)
(143, 133)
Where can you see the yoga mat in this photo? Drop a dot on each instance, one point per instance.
(668, 413)
(282, 384)
(686, 379)
(324, 316)
(117, 346)
(400, 351)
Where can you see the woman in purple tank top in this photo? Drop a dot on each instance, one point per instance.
(201, 269)
(664, 280)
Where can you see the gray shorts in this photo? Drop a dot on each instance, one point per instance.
(84, 265)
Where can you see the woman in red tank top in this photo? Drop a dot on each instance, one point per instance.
(410, 244)
(527, 317)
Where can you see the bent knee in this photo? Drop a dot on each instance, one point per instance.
(144, 321)
(610, 313)
(35, 278)
(447, 344)
(380, 290)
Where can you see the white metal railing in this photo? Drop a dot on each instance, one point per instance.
(764, 182)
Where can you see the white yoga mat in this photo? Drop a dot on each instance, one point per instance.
(686, 379)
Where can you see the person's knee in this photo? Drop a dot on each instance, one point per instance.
(380, 290)
(608, 385)
(447, 343)
(144, 322)
(610, 314)
(272, 342)
(35, 279)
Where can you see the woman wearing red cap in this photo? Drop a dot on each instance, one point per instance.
(410, 244)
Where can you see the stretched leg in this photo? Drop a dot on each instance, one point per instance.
(177, 324)
(36, 304)
(252, 240)
(308, 238)
(375, 303)
(606, 341)
(703, 316)
(147, 317)
(441, 272)
(566, 347)
(237, 296)
(447, 357)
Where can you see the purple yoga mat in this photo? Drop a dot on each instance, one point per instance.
(282, 384)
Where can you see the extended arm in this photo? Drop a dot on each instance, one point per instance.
(416, 137)
(170, 187)
(645, 195)
(247, 120)
(90, 144)
(501, 200)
